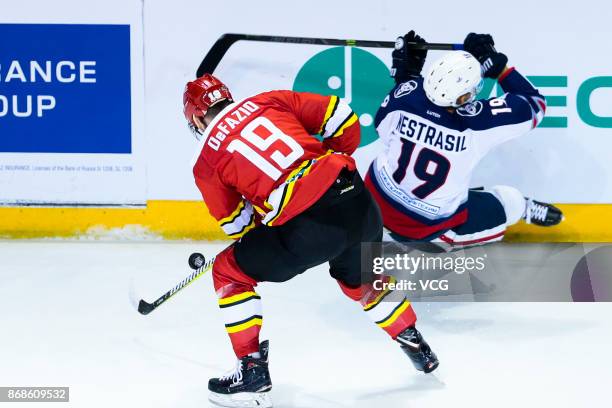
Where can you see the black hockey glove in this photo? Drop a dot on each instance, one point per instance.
(407, 62)
(481, 46)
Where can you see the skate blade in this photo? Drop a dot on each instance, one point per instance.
(242, 400)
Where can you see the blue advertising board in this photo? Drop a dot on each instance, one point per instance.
(65, 88)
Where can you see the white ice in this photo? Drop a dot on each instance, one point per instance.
(65, 320)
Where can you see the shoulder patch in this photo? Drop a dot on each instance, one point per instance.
(405, 88)
(470, 109)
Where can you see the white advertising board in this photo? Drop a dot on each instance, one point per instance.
(565, 160)
(72, 103)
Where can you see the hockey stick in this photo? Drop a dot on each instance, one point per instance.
(220, 47)
(200, 267)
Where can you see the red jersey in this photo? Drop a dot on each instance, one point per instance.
(259, 160)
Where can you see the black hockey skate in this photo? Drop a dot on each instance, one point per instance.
(245, 387)
(542, 214)
(415, 347)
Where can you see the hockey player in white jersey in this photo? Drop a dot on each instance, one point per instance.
(434, 133)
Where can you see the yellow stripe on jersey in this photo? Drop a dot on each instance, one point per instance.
(331, 107)
(351, 119)
(389, 320)
(253, 321)
(233, 215)
(246, 229)
(305, 167)
(237, 298)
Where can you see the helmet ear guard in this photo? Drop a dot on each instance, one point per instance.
(456, 74)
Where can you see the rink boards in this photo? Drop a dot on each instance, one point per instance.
(134, 178)
(191, 220)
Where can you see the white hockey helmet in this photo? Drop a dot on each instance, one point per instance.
(455, 74)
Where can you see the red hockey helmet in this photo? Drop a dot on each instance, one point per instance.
(201, 94)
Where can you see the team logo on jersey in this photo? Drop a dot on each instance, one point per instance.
(470, 109)
(405, 89)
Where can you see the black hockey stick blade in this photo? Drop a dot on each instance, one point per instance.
(223, 44)
(145, 307)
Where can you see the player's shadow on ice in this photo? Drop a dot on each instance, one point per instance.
(290, 396)
(437, 315)
(446, 317)
(343, 315)
(421, 383)
(443, 316)
(175, 356)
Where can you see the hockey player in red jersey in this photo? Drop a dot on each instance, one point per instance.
(292, 201)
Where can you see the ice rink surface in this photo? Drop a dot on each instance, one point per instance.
(65, 320)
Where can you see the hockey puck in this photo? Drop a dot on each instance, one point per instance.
(196, 260)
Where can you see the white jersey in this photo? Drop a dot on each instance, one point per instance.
(429, 153)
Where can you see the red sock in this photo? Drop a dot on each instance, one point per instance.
(393, 316)
(239, 303)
